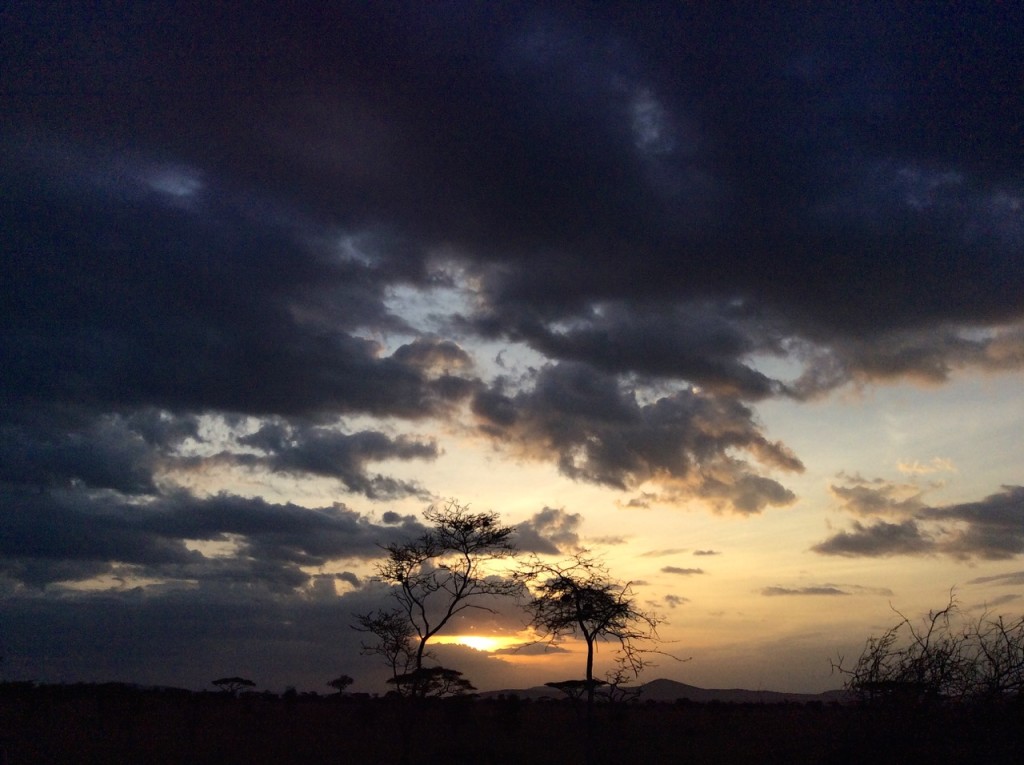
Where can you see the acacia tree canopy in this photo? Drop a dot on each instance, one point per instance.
(233, 685)
(579, 598)
(340, 683)
(433, 578)
(434, 681)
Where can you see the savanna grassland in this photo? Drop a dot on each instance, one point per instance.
(109, 724)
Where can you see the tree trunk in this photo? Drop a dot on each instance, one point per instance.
(590, 672)
(589, 751)
(420, 650)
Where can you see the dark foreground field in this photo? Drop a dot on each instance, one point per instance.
(115, 724)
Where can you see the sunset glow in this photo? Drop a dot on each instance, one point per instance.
(486, 644)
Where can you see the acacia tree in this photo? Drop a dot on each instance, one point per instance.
(232, 685)
(340, 683)
(434, 681)
(433, 578)
(579, 598)
(574, 689)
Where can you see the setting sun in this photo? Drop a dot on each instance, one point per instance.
(483, 643)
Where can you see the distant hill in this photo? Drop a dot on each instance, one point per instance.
(671, 690)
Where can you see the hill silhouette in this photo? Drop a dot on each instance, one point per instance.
(672, 690)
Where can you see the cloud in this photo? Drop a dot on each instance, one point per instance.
(681, 571)
(328, 452)
(859, 588)
(350, 578)
(602, 434)
(658, 226)
(706, 552)
(186, 637)
(929, 356)
(134, 337)
(107, 451)
(878, 497)
(1012, 578)
(1002, 600)
(642, 501)
(989, 529)
(550, 531)
(60, 536)
(673, 601)
(992, 528)
(691, 343)
(531, 649)
(824, 590)
(878, 539)
(663, 553)
(437, 354)
(935, 465)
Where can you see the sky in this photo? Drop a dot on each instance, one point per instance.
(731, 296)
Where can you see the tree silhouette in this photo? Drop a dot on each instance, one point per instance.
(945, 657)
(232, 685)
(614, 688)
(340, 683)
(433, 578)
(579, 598)
(436, 682)
(574, 689)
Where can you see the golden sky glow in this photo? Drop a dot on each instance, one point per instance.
(484, 643)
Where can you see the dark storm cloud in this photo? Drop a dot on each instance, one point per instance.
(186, 637)
(663, 190)
(668, 195)
(101, 452)
(992, 528)
(73, 535)
(129, 301)
(350, 578)
(693, 343)
(328, 452)
(427, 353)
(603, 435)
(72, 526)
(550, 531)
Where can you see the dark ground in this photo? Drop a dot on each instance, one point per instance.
(113, 724)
